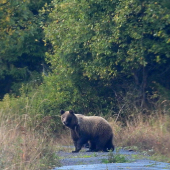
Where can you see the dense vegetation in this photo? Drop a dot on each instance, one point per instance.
(22, 50)
(106, 53)
(96, 57)
(99, 55)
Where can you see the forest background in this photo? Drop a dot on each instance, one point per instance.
(108, 58)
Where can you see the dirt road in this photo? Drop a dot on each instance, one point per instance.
(99, 161)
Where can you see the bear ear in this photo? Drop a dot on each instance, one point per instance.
(62, 111)
(71, 112)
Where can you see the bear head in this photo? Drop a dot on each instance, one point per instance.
(69, 119)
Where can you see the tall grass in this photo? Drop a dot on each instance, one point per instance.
(26, 140)
(147, 128)
(30, 137)
(151, 133)
(23, 148)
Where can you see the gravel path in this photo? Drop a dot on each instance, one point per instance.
(94, 161)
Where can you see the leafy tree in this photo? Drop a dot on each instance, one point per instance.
(22, 48)
(100, 45)
(69, 32)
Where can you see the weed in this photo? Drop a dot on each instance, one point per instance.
(95, 154)
(115, 158)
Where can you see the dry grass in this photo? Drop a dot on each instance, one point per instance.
(26, 144)
(23, 148)
(151, 134)
(64, 141)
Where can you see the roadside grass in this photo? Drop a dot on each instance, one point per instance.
(150, 134)
(23, 148)
(25, 140)
(64, 142)
(64, 139)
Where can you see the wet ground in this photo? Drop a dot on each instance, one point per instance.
(97, 161)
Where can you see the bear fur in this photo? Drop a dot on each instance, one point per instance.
(93, 129)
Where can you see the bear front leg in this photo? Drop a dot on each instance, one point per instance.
(75, 139)
(79, 144)
(78, 147)
(75, 145)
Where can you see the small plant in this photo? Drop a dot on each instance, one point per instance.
(115, 158)
(95, 155)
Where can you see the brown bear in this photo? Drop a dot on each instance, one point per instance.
(93, 129)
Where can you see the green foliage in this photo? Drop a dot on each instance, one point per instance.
(143, 33)
(33, 103)
(22, 48)
(76, 89)
(27, 138)
(115, 158)
(97, 51)
(107, 38)
(100, 48)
